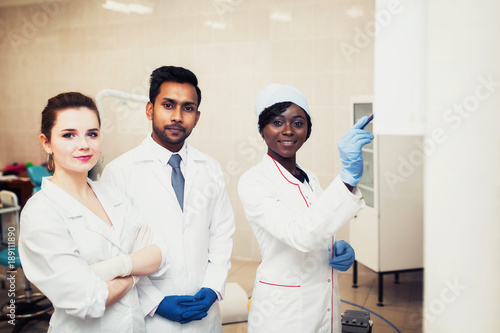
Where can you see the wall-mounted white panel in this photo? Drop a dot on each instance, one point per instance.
(399, 67)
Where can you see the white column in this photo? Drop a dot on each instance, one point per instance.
(462, 181)
(437, 73)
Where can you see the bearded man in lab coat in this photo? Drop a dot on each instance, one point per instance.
(189, 208)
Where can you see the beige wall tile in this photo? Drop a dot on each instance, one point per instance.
(235, 49)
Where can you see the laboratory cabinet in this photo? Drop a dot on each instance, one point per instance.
(387, 235)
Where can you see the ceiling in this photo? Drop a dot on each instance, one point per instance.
(13, 3)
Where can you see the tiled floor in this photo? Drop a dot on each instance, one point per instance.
(403, 301)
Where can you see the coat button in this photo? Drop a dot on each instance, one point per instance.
(329, 280)
(328, 310)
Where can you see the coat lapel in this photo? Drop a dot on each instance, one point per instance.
(145, 155)
(163, 178)
(301, 193)
(115, 209)
(191, 171)
(76, 211)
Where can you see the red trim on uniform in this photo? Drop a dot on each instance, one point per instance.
(333, 252)
(279, 285)
(290, 181)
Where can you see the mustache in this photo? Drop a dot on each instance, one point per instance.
(177, 127)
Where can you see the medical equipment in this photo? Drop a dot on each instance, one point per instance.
(391, 187)
(123, 118)
(36, 174)
(20, 308)
(369, 119)
(354, 321)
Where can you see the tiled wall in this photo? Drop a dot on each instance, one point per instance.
(236, 47)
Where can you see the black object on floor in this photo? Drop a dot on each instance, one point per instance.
(354, 321)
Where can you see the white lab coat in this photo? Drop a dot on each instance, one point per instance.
(60, 238)
(295, 289)
(199, 239)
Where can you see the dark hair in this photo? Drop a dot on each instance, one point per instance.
(171, 74)
(68, 100)
(274, 110)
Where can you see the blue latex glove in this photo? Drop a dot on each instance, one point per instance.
(350, 152)
(171, 308)
(203, 300)
(193, 315)
(344, 256)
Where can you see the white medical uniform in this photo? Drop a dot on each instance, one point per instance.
(199, 238)
(295, 288)
(60, 238)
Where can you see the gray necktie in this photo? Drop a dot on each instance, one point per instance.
(177, 178)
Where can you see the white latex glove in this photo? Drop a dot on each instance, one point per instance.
(113, 267)
(143, 237)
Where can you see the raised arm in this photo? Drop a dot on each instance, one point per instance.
(305, 230)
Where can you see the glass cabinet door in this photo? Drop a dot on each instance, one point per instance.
(366, 183)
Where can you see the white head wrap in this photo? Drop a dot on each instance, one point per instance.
(276, 93)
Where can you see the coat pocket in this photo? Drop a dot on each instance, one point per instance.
(275, 308)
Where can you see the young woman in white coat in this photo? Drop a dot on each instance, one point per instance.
(81, 243)
(294, 220)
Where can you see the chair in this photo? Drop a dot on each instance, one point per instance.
(36, 173)
(28, 306)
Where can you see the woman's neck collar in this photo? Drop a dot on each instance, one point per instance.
(289, 164)
(73, 183)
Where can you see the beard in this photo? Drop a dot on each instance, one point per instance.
(162, 135)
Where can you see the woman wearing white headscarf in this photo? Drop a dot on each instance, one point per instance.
(295, 221)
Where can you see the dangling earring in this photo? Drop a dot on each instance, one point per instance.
(101, 159)
(50, 159)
